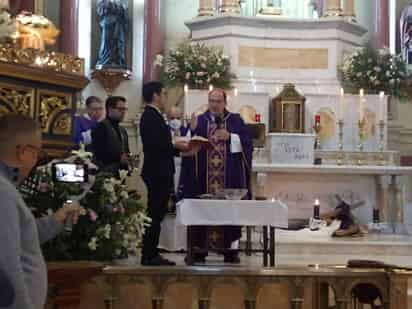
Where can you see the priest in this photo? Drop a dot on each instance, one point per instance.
(225, 165)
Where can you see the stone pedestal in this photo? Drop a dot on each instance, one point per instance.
(333, 8)
(229, 7)
(206, 8)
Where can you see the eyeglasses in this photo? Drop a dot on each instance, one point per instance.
(40, 153)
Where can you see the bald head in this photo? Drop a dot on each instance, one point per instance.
(175, 112)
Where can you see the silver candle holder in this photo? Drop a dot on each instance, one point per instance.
(361, 140)
(381, 145)
(340, 155)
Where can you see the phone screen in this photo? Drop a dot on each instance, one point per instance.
(70, 172)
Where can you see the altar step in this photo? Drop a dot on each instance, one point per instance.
(302, 248)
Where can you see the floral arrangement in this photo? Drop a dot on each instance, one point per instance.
(196, 65)
(113, 220)
(7, 24)
(36, 21)
(375, 71)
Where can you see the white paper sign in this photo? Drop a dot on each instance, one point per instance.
(292, 148)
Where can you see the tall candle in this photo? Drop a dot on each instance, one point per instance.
(186, 101)
(317, 118)
(381, 106)
(361, 105)
(341, 109)
(316, 210)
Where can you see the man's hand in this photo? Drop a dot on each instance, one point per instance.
(222, 135)
(73, 208)
(182, 145)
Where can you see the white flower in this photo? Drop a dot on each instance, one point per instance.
(82, 153)
(225, 57)
(124, 195)
(216, 75)
(158, 60)
(92, 244)
(118, 252)
(359, 74)
(50, 212)
(107, 231)
(203, 65)
(377, 69)
(108, 187)
(391, 81)
(388, 73)
(123, 174)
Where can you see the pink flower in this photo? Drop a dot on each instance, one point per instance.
(93, 215)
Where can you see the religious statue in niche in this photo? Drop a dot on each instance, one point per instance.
(406, 33)
(114, 26)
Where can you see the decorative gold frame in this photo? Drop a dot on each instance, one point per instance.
(18, 88)
(288, 96)
(52, 116)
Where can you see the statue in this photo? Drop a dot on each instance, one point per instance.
(406, 33)
(113, 23)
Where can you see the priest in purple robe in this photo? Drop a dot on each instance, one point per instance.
(226, 165)
(84, 124)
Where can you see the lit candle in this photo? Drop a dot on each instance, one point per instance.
(382, 106)
(186, 101)
(361, 107)
(236, 92)
(316, 210)
(210, 87)
(317, 118)
(341, 109)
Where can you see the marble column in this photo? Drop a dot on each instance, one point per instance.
(69, 25)
(333, 8)
(399, 184)
(349, 10)
(383, 199)
(229, 7)
(380, 33)
(206, 8)
(153, 37)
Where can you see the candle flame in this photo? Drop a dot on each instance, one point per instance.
(186, 88)
(236, 92)
(317, 202)
(381, 95)
(342, 92)
(210, 87)
(361, 93)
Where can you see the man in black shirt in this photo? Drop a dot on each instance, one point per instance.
(110, 141)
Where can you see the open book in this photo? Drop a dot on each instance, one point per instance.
(195, 141)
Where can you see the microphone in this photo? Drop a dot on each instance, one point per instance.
(7, 294)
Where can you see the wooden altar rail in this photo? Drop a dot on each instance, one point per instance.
(392, 285)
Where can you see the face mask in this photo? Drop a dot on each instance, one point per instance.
(175, 124)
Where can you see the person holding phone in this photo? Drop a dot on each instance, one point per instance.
(21, 258)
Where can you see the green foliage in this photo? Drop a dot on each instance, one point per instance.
(375, 71)
(196, 65)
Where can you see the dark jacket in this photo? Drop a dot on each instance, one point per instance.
(158, 149)
(109, 142)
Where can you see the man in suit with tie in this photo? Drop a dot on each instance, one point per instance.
(158, 167)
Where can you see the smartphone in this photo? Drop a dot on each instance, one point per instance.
(70, 172)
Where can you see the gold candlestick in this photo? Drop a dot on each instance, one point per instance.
(381, 147)
(340, 155)
(361, 134)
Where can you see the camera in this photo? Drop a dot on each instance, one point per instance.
(70, 172)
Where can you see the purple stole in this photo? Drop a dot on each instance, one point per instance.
(216, 160)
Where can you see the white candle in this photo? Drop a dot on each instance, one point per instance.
(186, 101)
(341, 109)
(382, 106)
(361, 106)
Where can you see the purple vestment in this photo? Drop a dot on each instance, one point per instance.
(216, 169)
(82, 124)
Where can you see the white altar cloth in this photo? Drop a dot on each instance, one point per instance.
(232, 212)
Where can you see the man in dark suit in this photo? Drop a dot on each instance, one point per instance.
(110, 141)
(158, 167)
(6, 291)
